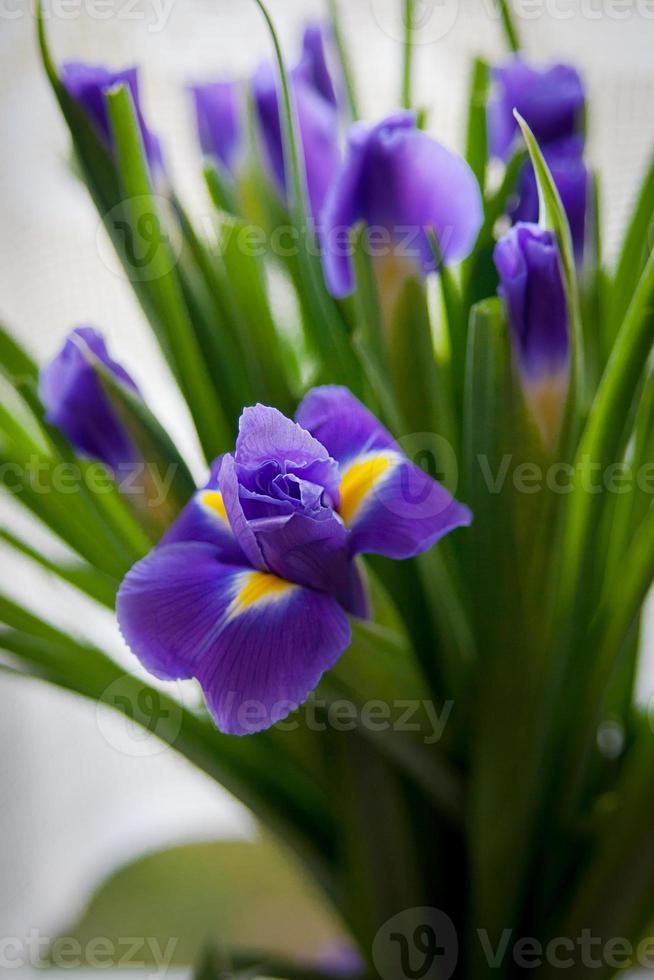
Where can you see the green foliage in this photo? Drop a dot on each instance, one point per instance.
(521, 632)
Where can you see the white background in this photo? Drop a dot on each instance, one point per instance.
(72, 802)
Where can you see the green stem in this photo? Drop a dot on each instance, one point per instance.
(407, 64)
(346, 67)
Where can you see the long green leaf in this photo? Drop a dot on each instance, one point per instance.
(634, 252)
(553, 216)
(477, 127)
(329, 332)
(213, 428)
(346, 68)
(407, 54)
(84, 577)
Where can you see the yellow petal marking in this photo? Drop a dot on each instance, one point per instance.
(214, 501)
(359, 480)
(255, 587)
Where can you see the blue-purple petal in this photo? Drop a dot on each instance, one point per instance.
(571, 177)
(217, 119)
(318, 130)
(397, 179)
(312, 67)
(257, 645)
(341, 423)
(551, 100)
(389, 505)
(88, 86)
(531, 284)
(77, 404)
(306, 550)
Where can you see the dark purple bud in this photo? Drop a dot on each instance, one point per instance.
(550, 100)
(88, 85)
(77, 404)
(400, 182)
(571, 178)
(532, 286)
(218, 123)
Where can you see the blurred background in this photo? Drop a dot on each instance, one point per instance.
(80, 793)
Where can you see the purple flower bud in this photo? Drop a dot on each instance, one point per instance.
(402, 183)
(312, 67)
(532, 286)
(317, 114)
(77, 404)
(217, 117)
(551, 100)
(88, 85)
(571, 178)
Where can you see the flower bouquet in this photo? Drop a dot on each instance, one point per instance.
(408, 592)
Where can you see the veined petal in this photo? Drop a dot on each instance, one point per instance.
(394, 508)
(257, 644)
(76, 402)
(205, 519)
(230, 499)
(303, 549)
(390, 506)
(341, 423)
(398, 180)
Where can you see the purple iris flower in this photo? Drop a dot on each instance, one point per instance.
(402, 183)
(317, 115)
(531, 284)
(76, 403)
(88, 86)
(218, 123)
(250, 589)
(571, 177)
(551, 100)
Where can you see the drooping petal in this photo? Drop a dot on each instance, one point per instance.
(551, 100)
(217, 119)
(398, 180)
(89, 84)
(393, 508)
(77, 404)
(258, 645)
(390, 505)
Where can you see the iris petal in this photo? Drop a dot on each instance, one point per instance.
(339, 421)
(258, 645)
(390, 506)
